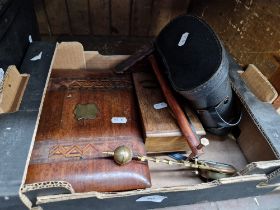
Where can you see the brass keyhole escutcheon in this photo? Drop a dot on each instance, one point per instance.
(86, 111)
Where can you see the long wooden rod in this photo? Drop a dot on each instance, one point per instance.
(176, 109)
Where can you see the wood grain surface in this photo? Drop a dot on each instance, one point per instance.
(179, 115)
(141, 15)
(79, 16)
(58, 18)
(41, 15)
(120, 16)
(99, 11)
(164, 11)
(68, 149)
(157, 122)
(160, 129)
(161, 122)
(106, 17)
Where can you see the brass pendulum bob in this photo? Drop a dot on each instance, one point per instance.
(122, 155)
(207, 169)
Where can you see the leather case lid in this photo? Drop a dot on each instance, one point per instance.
(190, 50)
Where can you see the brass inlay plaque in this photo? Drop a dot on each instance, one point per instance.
(86, 111)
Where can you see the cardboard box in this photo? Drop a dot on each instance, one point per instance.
(12, 90)
(259, 166)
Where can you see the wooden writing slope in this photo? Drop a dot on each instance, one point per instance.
(76, 126)
(162, 134)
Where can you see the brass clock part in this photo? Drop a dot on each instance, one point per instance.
(209, 170)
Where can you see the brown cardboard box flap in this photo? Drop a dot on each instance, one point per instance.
(259, 84)
(12, 90)
(69, 55)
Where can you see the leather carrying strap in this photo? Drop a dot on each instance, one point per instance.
(217, 117)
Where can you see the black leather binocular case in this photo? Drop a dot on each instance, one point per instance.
(197, 67)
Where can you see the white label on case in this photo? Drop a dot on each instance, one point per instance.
(30, 39)
(183, 39)
(160, 105)
(152, 198)
(37, 57)
(119, 120)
